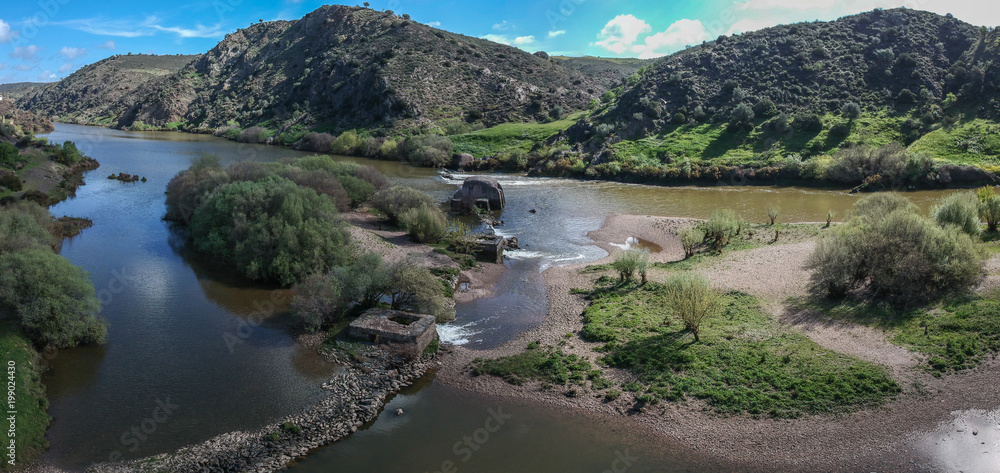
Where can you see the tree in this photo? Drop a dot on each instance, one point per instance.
(53, 300)
(743, 115)
(413, 288)
(851, 110)
(772, 213)
(989, 210)
(8, 155)
(398, 199)
(690, 238)
(721, 226)
(271, 230)
(765, 108)
(692, 299)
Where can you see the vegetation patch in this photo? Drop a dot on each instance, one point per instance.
(30, 404)
(744, 363)
(538, 363)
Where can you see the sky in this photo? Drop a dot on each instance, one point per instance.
(46, 40)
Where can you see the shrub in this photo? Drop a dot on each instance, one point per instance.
(66, 154)
(347, 143)
(190, 188)
(629, 262)
(319, 142)
(772, 213)
(53, 300)
(271, 230)
(318, 300)
(398, 199)
(388, 149)
(426, 224)
(765, 108)
(8, 155)
(889, 251)
(414, 288)
(850, 110)
(960, 209)
(721, 226)
(428, 150)
(809, 122)
(254, 134)
(372, 176)
(743, 115)
(691, 298)
(856, 164)
(24, 226)
(690, 238)
(989, 210)
(10, 181)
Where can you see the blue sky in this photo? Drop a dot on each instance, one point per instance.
(46, 40)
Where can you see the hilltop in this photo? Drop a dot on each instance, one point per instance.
(100, 92)
(16, 90)
(609, 72)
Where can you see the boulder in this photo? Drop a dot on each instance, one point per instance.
(461, 160)
(478, 191)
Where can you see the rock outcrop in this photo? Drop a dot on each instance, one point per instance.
(478, 191)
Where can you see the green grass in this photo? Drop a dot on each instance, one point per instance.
(959, 334)
(745, 363)
(510, 136)
(968, 142)
(32, 420)
(539, 363)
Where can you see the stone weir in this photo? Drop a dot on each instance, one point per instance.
(356, 396)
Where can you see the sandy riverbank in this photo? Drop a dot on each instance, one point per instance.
(894, 437)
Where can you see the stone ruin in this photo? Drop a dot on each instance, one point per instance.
(410, 332)
(478, 192)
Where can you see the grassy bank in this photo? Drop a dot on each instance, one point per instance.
(30, 404)
(953, 335)
(744, 363)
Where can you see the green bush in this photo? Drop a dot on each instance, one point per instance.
(347, 143)
(8, 155)
(318, 300)
(721, 227)
(889, 251)
(190, 188)
(66, 154)
(426, 224)
(629, 262)
(960, 209)
(989, 211)
(398, 199)
(412, 287)
(855, 164)
(691, 298)
(690, 238)
(53, 300)
(24, 226)
(428, 150)
(10, 181)
(271, 230)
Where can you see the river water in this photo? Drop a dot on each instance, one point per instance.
(220, 352)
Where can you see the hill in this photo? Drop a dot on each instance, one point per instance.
(16, 90)
(337, 68)
(609, 72)
(804, 90)
(100, 92)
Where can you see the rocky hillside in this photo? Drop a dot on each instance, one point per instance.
(16, 123)
(349, 67)
(16, 90)
(609, 72)
(100, 92)
(886, 61)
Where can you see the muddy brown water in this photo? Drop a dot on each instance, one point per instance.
(220, 352)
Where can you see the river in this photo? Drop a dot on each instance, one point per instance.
(184, 334)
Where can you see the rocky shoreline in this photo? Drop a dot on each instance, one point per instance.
(356, 396)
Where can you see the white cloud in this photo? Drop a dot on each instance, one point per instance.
(747, 24)
(502, 26)
(46, 76)
(26, 53)
(72, 53)
(497, 38)
(678, 35)
(109, 44)
(435, 24)
(553, 34)
(66, 68)
(6, 34)
(131, 29)
(621, 33)
(524, 40)
(199, 31)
